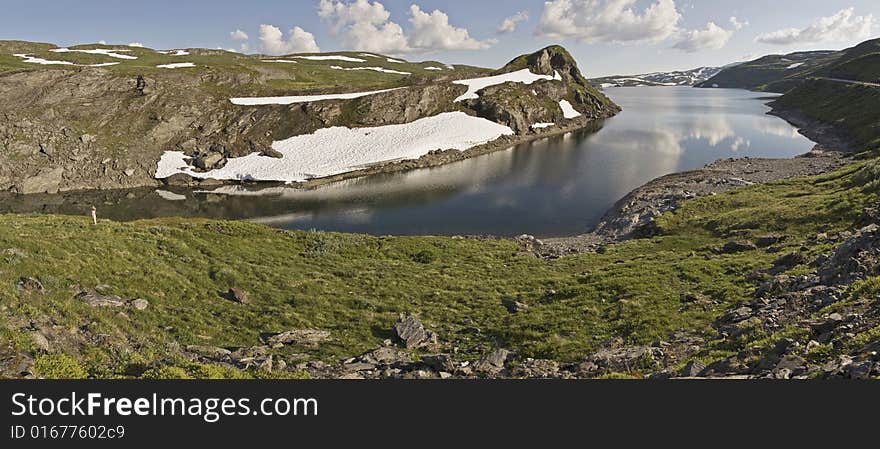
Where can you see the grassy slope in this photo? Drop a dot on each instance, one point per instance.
(270, 78)
(852, 108)
(355, 286)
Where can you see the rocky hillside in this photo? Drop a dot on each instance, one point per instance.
(781, 73)
(92, 117)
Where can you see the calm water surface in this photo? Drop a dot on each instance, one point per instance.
(559, 186)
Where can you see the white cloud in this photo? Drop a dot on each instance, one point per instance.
(843, 26)
(509, 24)
(238, 35)
(135, 44)
(299, 41)
(433, 32)
(365, 25)
(713, 37)
(609, 20)
(738, 24)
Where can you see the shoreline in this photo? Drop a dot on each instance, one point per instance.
(633, 215)
(432, 159)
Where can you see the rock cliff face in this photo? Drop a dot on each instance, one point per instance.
(94, 128)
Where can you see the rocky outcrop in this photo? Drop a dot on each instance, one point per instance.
(520, 107)
(92, 128)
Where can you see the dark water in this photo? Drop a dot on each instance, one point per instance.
(559, 186)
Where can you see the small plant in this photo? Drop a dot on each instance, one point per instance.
(424, 257)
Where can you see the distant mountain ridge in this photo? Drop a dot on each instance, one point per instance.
(782, 73)
(673, 78)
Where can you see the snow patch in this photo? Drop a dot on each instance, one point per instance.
(374, 69)
(105, 64)
(568, 111)
(433, 68)
(261, 101)
(475, 85)
(794, 66)
(97, 51)
(280, 60)
(331, 58)
(542, 125)
(34, 60)
(396, 61)
(331, 151)
(175, 52)
(176, 65)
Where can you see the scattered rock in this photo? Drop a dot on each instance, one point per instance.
(738, 247)
(237, 295)
(410, 331)
(620, 360)
(692, 369)
(788, 261)
(139, 304)
(299, 337)
(493, 362)
(39, 341)
(514, 306)
(766, 241)
(95, 299)
(211, 352)
(31, 285)
(271, 152)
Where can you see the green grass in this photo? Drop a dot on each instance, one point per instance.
(852, 108)
(355, 286)
(260, 77)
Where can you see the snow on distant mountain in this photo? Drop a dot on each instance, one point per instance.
(676, 78)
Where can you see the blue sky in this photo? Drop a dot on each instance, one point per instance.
(606, 36)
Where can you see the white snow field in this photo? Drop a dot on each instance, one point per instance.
(396, 61)
(262, 101)
(568, 111)
(542, 125)
(374, 69)
(524, 76)
(34, 60)
(176, 53)
(794, 66)
(433, 68)
(331, 58)
(331, 151)
(176, 65)
(280, 60)
(97, 51)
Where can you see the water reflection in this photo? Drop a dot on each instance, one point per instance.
(558, 186)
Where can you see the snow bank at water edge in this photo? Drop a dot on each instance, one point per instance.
(542, 125)
(97, 51)
(262, 101)
(568, 111)
(331, 58)
(374, 69)
(176, 65)
(524, 76)
(332, 151)
(34, 60)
